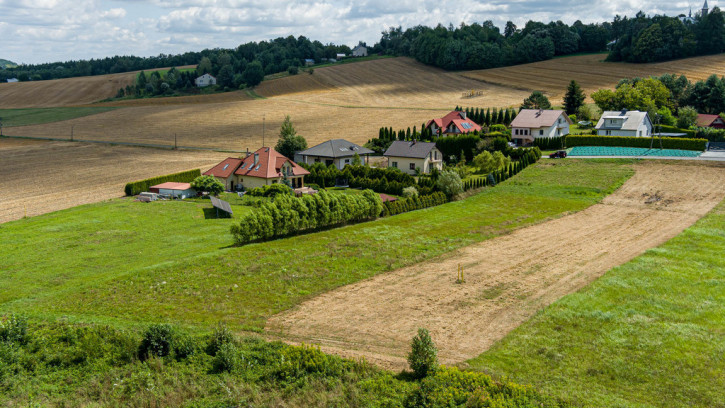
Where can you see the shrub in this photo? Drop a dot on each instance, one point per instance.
(270, 190)
(138, 187)
(208, 184)
(410, 192)
(157, 341)
(619, 141)
(449, 182)
(549, 143)
(293, 70)
(686, 117)
(414, 203)
(184, 346)
(13, 329)
(297, 362)
(219, 337)
(226, 358)
(423, 356)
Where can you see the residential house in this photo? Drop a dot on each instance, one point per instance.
(339, 152)
(309, 62)
(360, 51)
(453, 123)
(13, 80)
(172, 189)
(624, 123)
(264, 167)
(711, 121)
(532, 124)
(205, 80)
(412, 156)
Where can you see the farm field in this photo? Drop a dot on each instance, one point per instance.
(592, 73)
(40, 177)
(647, 334)
(187, 274)
(35, 116)
(508, 278)
(62, 92)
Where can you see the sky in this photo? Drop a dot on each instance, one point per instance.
(36, 31)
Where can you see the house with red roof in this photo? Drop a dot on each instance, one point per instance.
(711, 121)
(264, 167)
(453, 123)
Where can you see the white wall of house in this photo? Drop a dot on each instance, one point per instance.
(426, 165)
(360, 52)
(644, 130)
(205, 80)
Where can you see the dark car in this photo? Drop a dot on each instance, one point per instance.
(560, 154)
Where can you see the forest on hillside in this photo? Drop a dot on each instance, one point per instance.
(638, 39)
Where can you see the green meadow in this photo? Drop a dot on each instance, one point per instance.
(128, 264)
(649, 333)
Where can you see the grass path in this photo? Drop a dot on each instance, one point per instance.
(130, 268)
(647, 334)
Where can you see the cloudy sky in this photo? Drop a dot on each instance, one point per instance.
(33, 31)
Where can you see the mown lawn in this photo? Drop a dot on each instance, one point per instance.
(127, 264)
(37, 116)
(649, 333)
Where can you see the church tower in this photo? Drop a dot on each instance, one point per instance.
(704, 9)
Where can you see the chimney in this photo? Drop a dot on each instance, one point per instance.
(463, 114)
(247, 155)
(624, 111)
(256, 159)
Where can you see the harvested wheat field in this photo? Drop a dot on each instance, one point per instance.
(48, 176)
(62, 92)
(507, 279)
(592, 73)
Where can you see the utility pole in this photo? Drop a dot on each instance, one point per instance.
(174, 141)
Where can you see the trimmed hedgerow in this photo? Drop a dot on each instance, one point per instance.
(414, 203)
(288, 215)
(138, 187)
(549, 143)
(620, 141)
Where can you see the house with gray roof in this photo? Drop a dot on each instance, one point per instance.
(339, 152)
(413, 156)
(624, 123)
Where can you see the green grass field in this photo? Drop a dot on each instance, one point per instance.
(649, 333)
(127, 264)
(37, 116)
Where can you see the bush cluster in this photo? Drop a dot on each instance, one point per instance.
(289, 215)
(524, 158)
(382, 180)
(415, 202)
(270, 190)
(13, 329)
(138, 187)
(619, 141)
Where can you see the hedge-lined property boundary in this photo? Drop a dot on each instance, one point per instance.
(138, 187)
(531, 156)
(414, 203)
(620, 141)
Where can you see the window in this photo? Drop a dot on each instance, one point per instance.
(435, 154)
(412, 166)
(609, 133)
(347, 161)
(394, 164)
(541, 132)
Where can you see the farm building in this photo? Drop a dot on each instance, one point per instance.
(339, 152)
(176, 190)
(711, 121)
(453, 123)
(412, 156)
(264, 167)
(340, 56)
(205, 80)
(309, 62)
(12, 80)
(532, 124)
(360, 51)
(624, 123)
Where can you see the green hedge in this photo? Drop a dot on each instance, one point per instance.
(288, 215)
(619, 141)
(549, 143)
(137, 187)
(672, 129)
(414, 203)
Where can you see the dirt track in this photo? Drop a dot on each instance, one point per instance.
(507, 279)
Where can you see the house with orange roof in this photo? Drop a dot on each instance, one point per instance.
(264, 167)
(453, 123)
(711, 121)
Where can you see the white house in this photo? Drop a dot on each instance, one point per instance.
(624, 123)
(360, 51)
(339, 152)
(12, 80)
(409, 156)
(205, 80)
(532, 124)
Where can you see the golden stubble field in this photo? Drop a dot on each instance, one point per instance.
(40, 177)
(592, 73)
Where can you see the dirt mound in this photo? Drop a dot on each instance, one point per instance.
(507, 279)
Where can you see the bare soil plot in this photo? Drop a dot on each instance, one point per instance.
(51, 176)
(592, 73)
(507, 279)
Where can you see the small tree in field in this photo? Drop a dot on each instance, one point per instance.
(423, 357)
(208, 184)
(289, 141)
(536, 100)
(449, 182)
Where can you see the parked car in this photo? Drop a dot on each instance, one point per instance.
(560, 154)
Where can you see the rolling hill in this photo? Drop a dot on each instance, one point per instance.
(7, 64)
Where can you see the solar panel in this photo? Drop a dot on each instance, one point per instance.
(257, 168)
(221, 204)
(225, 166)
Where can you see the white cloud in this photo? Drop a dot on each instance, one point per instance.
(51, 30)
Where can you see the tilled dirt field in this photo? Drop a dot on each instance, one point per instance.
(41, 177)
(507, 279)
